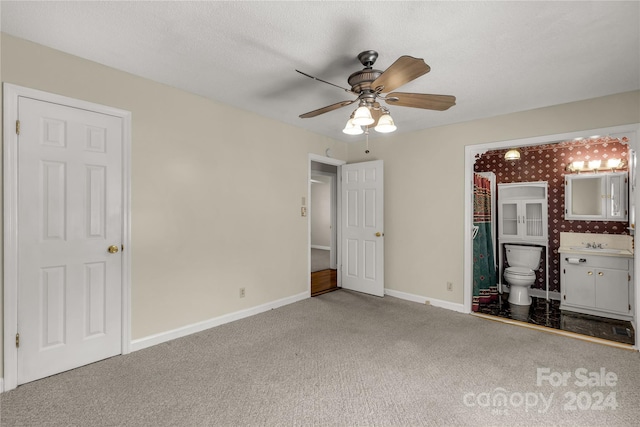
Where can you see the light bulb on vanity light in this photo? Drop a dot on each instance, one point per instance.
(578, 165)
(594, 164)
(613, 163)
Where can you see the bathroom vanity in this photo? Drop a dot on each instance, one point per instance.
(597, 274)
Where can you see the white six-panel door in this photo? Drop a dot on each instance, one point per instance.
(363, 227)
(69, 215)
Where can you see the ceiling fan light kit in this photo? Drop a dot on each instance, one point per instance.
(362, 117)
(368, 85)
(352, 128)
(385, 124)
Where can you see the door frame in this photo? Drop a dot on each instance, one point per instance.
(471, 151)
(335, 211)
(10, 211)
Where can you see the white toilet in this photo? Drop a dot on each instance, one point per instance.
(520, 275)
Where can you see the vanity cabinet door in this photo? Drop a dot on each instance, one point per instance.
(579, 285)
(612, 290)
(600, 286)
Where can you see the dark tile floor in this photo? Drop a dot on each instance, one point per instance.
(548, 314)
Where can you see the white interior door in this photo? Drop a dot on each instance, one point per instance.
(69, 217)
(363, 227)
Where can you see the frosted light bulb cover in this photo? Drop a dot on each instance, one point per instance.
(385, 124)
(362, 117)
(352, 129)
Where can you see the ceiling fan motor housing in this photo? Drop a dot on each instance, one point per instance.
(361, 80)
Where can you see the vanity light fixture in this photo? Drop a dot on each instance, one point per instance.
(513, 154)
(594, 165)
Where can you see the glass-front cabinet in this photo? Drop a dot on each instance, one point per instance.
(596, 197)
(522, 211)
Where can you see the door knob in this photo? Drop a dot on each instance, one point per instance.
(378, 234)
(113, 249)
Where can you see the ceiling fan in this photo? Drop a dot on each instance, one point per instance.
(369, 85)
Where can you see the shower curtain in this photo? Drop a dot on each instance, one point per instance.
(484, 269)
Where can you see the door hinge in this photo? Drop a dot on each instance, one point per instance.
(17, 340)
(629, 307)
(628, 277)
(18, 127)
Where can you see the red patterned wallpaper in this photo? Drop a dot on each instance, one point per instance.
(547, 163)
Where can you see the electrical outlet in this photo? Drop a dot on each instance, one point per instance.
(450, 286)
(241, 292)
(303, 211)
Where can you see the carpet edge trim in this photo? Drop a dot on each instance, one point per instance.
(568, 334)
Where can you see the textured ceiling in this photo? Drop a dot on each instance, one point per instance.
(495, 57)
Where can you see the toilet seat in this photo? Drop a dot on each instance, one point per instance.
(520, 271)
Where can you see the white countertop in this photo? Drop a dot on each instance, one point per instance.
(599, 252)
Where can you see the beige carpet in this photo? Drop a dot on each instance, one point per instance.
(342, 359)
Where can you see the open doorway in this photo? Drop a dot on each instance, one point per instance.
(553, 155)
(323, 229)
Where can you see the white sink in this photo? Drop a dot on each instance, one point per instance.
(601, 250)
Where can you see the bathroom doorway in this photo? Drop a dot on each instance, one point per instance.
(550, 165)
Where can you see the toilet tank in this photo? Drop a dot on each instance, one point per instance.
(523, 256)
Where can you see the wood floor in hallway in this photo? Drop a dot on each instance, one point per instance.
(323, 281)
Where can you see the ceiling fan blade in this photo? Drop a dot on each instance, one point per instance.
(404, 70)
(326, 109)
(324, 81)
(421, 100)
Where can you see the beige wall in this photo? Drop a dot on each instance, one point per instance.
(424, 185)
(216, 191)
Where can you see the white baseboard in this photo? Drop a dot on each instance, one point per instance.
(1, 385)
(152, 340)
(326, 248)
(422, 300)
